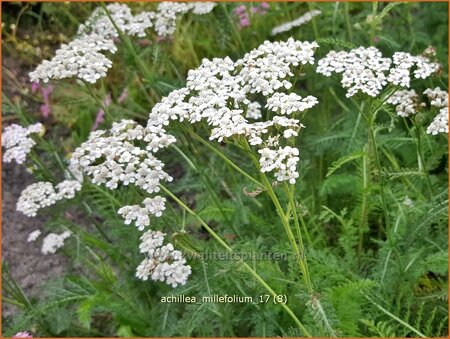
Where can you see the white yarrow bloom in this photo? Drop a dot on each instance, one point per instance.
(287, 26)
(163, 262)
(83, 57)
(141, 215)
(282, 161)
(440, 123)
(366, 70)
(33, 236)
(405, 102)
(42, 194)
(438, 98)
(403, 62)
(290, 103)
(17, 141)
(363, 69)
(168, 12)
(113, 157)
(254, 111)
(52, 242)
(221, 91)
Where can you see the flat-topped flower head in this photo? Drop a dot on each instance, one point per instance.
(438, 98)
(222, 93)
(405, 102)
(141, 215)
(162, 262)
(83, 57)
(290, 103)
(116, 156)
(52, 242)
(366, 70)
(363, 69)
(18, 143)
(43, 194)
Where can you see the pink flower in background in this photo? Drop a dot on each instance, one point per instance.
(261, 9)
(22, 335)
(243, 15)
(123, 96)
(100, 117)
(45, 110)
(35, 86)
(244, 21)
(240, 10)
(46, 93)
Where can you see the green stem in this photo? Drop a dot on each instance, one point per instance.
(224, 157)
(420, 161)
(314, 24)
(290, 194)
(233, 26)
(100, 102)
(299, 252)
(381, 308)
(244, 264)
(363, 221)
(373, 23)
(348, 24)
(380, 174)
(128, 45)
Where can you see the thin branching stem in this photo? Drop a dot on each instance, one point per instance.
(240, 261)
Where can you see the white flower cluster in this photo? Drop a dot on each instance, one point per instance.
(82, 57)
(254, 111)
(113, 157)
(162, 262)
(125, 154)
(283, 161)
(52, 242)
(167, 13)
(42, 194)
(403, 62)
(405, 102)
(140, 215)
(287, 26)
(33, 236)
(438, 98)
(99, 22)
(290, 103)
(220, 91)
(17, 141)
(363, 69)
(366, 70)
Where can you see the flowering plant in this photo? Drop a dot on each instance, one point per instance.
(310, 147)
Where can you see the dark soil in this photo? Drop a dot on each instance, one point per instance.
(28, 266)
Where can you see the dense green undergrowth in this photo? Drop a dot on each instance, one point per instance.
(370, 203)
